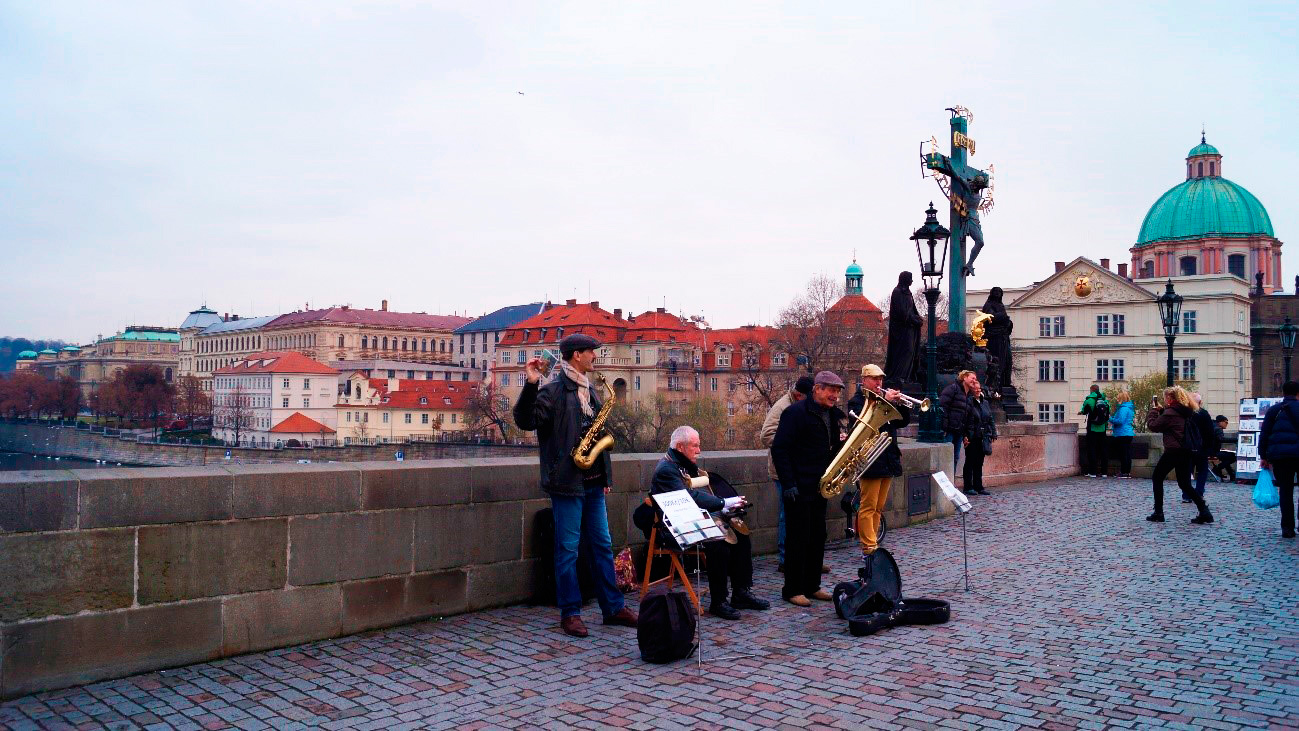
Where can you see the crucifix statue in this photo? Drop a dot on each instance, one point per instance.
(964, 187)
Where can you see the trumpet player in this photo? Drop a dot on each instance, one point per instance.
(875, 482)
(561, 412)
(727, 563)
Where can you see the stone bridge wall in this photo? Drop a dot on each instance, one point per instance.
(109, 572)
(69, 442)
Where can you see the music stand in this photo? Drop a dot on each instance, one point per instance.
(963, 506)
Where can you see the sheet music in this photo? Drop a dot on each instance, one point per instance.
(687, 522)
(957, 497)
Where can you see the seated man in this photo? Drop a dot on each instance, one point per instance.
(725, 561)
(1226, 466)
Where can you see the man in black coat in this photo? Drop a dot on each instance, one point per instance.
(726, 562)
(561, 411)
(955, 404)
(808, 438)
(877, 478)
(1278, 446)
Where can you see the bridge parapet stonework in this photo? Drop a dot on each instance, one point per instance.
(111, 572)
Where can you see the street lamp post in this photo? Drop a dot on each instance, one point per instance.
(1287, 332)
(1170, 314)
(931, 273)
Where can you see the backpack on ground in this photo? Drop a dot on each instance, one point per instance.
(1100, 413)
(666, 628)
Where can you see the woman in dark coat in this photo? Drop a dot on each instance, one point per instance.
(1172, 420)
(980, 431)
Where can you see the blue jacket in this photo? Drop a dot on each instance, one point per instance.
(1121, 419)
(1280, 437)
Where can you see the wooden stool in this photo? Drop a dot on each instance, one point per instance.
(677, 569)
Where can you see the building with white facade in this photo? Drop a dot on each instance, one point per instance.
(1087, 325)
(267, 399)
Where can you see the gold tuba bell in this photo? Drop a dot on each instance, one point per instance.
(592, 444)
(865, 444)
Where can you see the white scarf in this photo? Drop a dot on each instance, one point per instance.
(583, 387)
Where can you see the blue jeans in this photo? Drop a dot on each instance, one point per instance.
(583, 519)
(780, 522)
(1201, 463)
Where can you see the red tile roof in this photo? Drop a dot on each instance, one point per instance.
(589, 319)
(377, 318)
(279, 362)
(299, 424)
(440, 395)
(853, 303)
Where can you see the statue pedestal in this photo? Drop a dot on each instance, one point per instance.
(1010, 407)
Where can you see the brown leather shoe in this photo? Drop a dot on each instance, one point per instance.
(573, 626)
(799, 600)
(625, 618)
(822, 595)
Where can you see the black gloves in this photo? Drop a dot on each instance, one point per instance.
(790, 494)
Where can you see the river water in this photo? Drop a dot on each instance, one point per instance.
(10, 461)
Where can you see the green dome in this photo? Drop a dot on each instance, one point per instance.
(1200, 207)
(854, 270)
(1204, 148)
(48, 351)
(71, 349)
(27, 355)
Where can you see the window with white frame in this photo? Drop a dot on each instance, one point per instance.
(1102, 324)
(284, 404)
(723, 361)
(1044, 327)
(385, 417)
(636, 354)
(1057, 326)
(306, 402)
(286, 383)
(1050, 370)
(712, 382)
(408, 415)
(505, 379)
(1109, 369)
(780, 360)
(1188, 321)
(507, 356)
(1044, 413)
(1057, 413)
(730, 408)
(306, 384)
(1117, 324)
(423, 418)
(1184, 369)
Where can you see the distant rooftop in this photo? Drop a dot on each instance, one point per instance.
(502, 318)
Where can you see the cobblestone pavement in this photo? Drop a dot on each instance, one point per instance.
(1082, 615)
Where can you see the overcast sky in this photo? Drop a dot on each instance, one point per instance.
(261, 156)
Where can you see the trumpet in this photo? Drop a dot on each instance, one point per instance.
(923, 405)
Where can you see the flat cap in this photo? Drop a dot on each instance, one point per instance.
(804, 385)
(573, 343)
(870, 369)
(828, 378)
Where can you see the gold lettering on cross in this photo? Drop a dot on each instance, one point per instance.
(960, 140)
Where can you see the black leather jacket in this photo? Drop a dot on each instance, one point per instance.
(554, 412)
(671, 474)
(804, 447)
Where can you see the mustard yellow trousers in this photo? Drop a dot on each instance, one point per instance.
(874, 495)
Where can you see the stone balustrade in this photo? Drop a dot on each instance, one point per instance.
(105, 573)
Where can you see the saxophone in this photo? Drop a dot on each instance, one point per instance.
(589, 448)
(865, 444)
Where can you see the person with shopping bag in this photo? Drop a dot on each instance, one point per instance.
(1278, 446)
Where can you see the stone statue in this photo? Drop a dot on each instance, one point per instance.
(997, 331)
(900, 364)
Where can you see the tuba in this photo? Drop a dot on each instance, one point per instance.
(592, 444)
(865, 444)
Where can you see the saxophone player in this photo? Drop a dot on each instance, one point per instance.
(561, 412)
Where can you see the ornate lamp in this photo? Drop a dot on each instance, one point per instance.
(931, 273)
(1170, 314)
(1287, 332)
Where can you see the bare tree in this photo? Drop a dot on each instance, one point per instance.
(191, 399)
(824, 340)
(487, 409)
(235, 413)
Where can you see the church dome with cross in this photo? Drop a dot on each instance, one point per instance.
(1207, 224)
